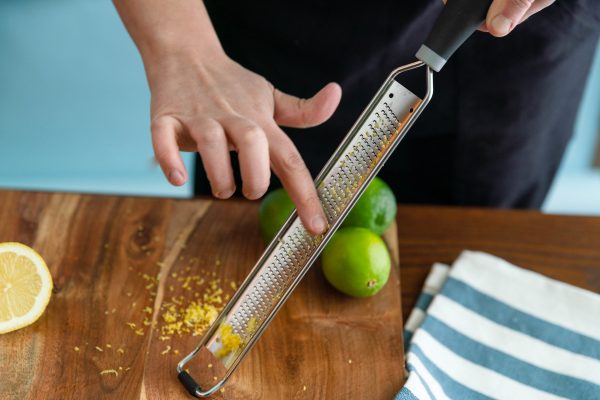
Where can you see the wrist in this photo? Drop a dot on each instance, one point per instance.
(170, 34)
(168, 56)
(173, 44)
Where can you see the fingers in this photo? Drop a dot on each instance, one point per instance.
(295, 177)
(286, 160)
(213, 148)
(303, 113)
(251, 144)
(504, 15)
(166, 151)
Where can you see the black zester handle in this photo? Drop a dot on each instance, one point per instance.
(458, 21)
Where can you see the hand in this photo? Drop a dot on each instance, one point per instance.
(203, 101)
(504, 15)
(215, 106)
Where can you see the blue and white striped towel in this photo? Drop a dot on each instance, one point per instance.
(486, 329)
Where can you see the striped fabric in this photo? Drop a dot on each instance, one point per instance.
(486, 329)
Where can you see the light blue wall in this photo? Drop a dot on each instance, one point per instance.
(576, 189)
(74, 101)
(74, 109)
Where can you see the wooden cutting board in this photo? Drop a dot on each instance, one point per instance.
(104, 253)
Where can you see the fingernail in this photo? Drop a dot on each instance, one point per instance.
(250, 195)
(319, 224)
(501, 24)
(253, 195)
(225, 194)
(176, 177)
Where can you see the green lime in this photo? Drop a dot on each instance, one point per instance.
(356, 262)
(376, 208)
(274, 210)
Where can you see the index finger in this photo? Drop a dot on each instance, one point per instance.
(288, 165)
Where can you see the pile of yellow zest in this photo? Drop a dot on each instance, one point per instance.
(191, 313)
(181, 315)
(230, 342)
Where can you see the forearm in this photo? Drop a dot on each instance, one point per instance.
(164, 29)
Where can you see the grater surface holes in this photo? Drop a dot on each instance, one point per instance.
(335, 191)
(291, 255)
(337, 186)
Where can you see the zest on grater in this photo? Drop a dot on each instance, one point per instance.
(362, 153)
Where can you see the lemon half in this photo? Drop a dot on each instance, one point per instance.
(25, 286)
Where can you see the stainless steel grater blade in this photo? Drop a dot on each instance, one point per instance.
(365, 149)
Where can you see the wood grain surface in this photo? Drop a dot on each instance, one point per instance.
(104, 253)
(566, 248)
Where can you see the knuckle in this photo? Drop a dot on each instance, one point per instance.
(309, 202)
(302, 112)
(293, 162)
(250, 135)
(208, 140)
(521, 4)
(162, 156)
(157, 125)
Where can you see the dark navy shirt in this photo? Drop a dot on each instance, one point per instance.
(503, 108)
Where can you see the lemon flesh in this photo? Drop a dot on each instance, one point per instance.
(25, 286)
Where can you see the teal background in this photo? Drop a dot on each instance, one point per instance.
(576, 189)
(74, 103)
(74, 110)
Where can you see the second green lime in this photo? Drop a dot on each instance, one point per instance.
(376, 208)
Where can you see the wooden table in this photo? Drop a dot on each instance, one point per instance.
(105, 252)
(99, 247)
(562, 247)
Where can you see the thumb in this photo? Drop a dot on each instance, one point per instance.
(303, 113)
(504, 15)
